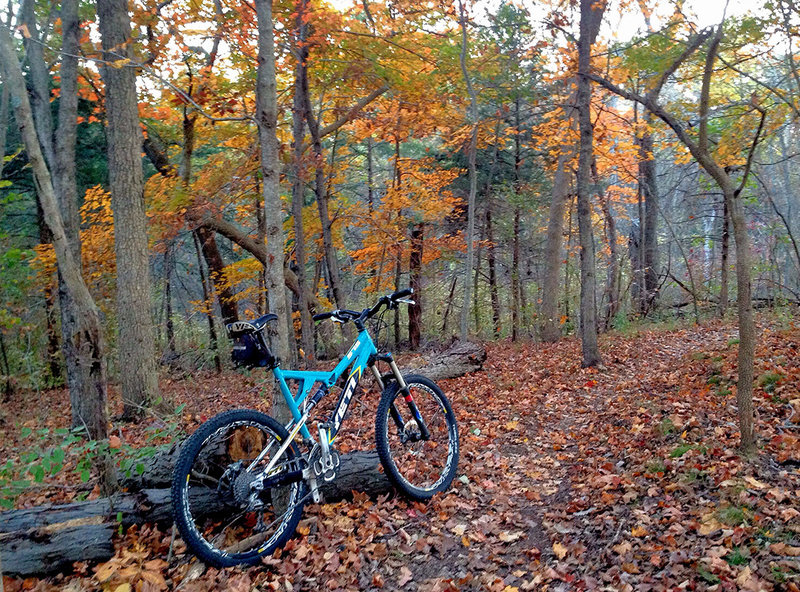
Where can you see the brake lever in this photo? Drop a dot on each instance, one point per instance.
(406, 301)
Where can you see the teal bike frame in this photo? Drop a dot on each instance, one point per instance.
(361, 354)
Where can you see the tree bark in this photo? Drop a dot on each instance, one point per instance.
(747, 325)
(398, 273)
(473, 174)
(459, 359)
(649, 181)
(169, 259)
(266, 115)
(591, 16)
(725, 248)
(298, 187)
(491, 260)
(212, 329)
(216, 272)
(39, 87)
(515, 293)
(136, 340)
(415, 279)
(88, 336)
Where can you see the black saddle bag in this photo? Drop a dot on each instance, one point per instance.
(248, 352)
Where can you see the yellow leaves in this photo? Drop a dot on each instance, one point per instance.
(117, 64)
(97, 247)
(639, 531)
(753, 482)
(510, 537)
(709, 524)
(560, 550)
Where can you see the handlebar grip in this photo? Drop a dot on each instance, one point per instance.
(322, 316)
(402, 293)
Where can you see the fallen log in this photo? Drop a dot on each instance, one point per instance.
(462, 357)
(49, 539)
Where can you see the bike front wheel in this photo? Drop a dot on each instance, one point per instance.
(222, 516)
(418, 452)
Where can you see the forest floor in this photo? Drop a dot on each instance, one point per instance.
(620, 478)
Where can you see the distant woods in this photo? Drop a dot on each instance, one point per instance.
(204, 162)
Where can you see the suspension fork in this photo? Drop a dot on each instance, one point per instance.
(404, 390)
(393, 412)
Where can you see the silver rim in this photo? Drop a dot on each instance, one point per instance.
(412, 455)
(249, 539)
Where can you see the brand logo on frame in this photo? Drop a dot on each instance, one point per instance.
(353, 349)
(349, 389)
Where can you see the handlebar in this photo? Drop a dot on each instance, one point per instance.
(344, 315)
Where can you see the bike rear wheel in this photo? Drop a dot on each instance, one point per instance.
(419, 467)
(212, 495)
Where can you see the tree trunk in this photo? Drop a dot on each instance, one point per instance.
(216, 273)
(648, 173)
(476, 308)
(4, 105)
(169, 258)
(8, 384)
(332, 265)
(490, 257)
(88, 336)
(550, 327)
(591, 16)
(39, 84)
(266, 115)
(449, 305)
(723, 282)
(515, 295)
(298, 186)
(370, 174)
(415, 279)
(79, 376)
(135, 342)
(398, 272)
(473, 174)
(747, 326)
(212, 330)
(612, 283)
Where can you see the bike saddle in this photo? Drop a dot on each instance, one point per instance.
(240, 327)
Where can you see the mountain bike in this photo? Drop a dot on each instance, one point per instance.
(242, 479)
